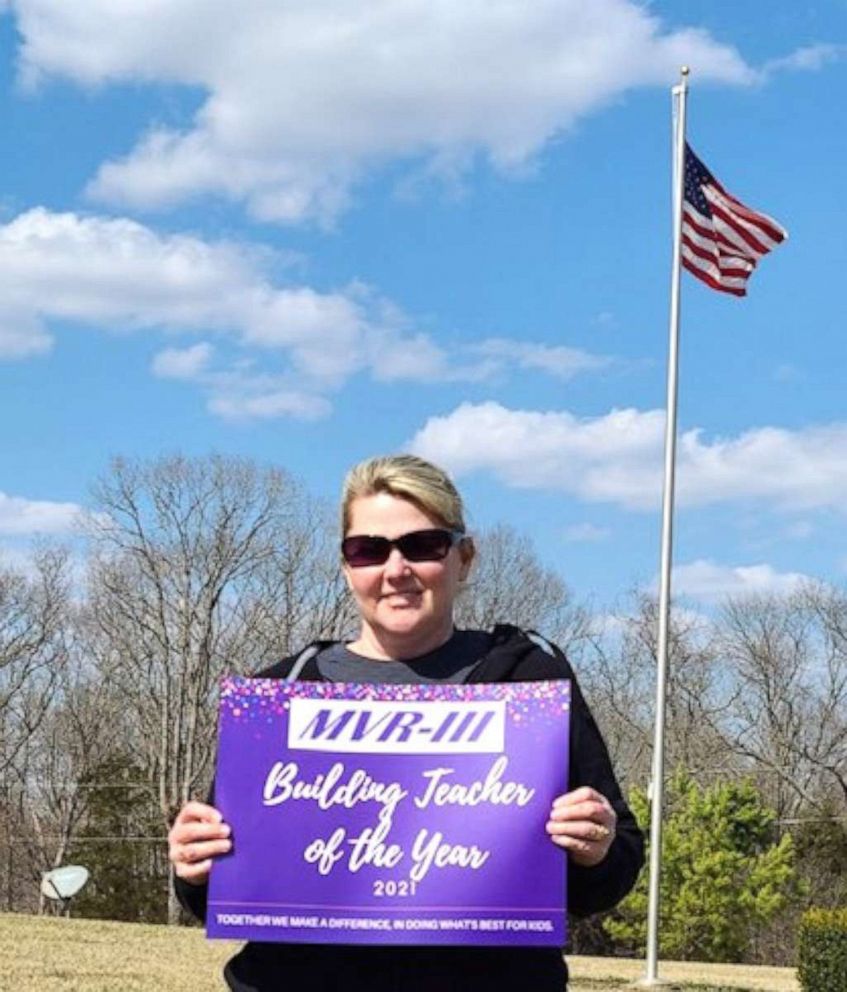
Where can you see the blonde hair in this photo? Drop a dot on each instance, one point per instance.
(406, 477)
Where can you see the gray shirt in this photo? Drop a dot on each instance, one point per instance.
(452, 662)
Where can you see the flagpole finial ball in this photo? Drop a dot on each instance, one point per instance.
(685, 70)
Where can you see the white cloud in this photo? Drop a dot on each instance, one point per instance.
(412, 357)
(268, 405)
(696, 623)
(800, 530)
(709, 582)
(617, 458)
(586, 533)
(558, 361)
(26, 516)
(239, 393)
(809, 58)
(182, 363)
(119, 275)
(304, 98)
(21, 335)
(612, 459)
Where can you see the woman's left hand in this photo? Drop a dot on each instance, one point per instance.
(583, 822)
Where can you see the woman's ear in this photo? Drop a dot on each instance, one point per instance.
(467, 553)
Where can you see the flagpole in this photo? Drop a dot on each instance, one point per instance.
(657, 788)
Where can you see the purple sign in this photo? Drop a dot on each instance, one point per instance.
(390, 814)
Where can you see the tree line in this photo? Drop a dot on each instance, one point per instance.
(190, 568)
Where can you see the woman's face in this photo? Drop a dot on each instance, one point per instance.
(406, 607)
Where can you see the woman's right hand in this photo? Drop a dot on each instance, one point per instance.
(198, 834)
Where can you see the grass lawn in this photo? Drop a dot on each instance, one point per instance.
(606, 974)
(58, 955)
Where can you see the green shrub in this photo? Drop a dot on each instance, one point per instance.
(823, 951)
(725, 872)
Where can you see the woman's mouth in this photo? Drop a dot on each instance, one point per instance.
(402, 596)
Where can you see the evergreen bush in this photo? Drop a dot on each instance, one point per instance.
(823, 951)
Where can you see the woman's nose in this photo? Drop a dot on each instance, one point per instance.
(396, 564)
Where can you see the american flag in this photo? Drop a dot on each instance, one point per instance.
(722, 240)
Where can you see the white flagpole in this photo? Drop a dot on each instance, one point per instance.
(657, 784)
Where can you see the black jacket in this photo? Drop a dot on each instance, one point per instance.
(513, 656)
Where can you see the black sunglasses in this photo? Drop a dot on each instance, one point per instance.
(360, 550)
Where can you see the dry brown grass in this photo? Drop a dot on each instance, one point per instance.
(602, 974)
(57, 955)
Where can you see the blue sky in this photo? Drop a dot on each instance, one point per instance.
(311, 233)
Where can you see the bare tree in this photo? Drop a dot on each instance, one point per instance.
(826, 747)
(787, 662)
(35, 636)
(509, 584)
(187, 553)
(297, 594)
(33, 608)
(80, 730)
(620, 679)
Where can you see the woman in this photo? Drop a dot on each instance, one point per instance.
(405, 556)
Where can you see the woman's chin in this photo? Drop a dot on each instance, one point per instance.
(406, 621)
(409, 623)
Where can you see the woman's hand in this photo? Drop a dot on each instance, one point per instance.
(197, 835)
(583, 822)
